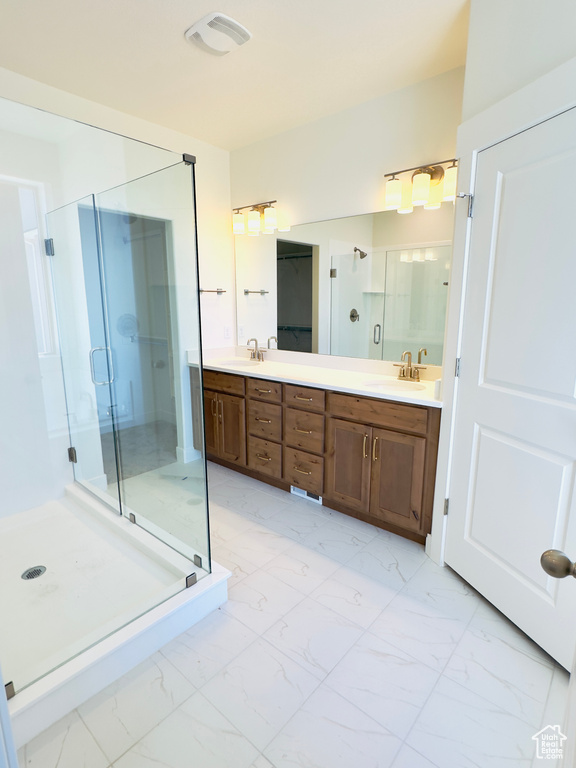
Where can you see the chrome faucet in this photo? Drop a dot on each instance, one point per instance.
(255, 354)
(272, 338)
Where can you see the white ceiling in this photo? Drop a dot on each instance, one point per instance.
(306, 59)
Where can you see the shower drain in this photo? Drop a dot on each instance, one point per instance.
(34, 572)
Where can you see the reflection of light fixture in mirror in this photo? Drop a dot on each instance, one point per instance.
(450, 179)
(430, 256)
(405, 257)
(262, 217)
(254, 222)
(418, 256)
(393, 194)
(428, 185)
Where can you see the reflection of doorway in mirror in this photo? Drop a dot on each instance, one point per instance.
(294, 284)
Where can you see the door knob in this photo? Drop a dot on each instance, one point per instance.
(557, 564)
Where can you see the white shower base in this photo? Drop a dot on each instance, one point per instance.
(111, 595)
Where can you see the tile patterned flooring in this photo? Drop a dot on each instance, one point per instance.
(341, 646)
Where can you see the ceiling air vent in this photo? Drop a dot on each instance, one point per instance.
(217, 34)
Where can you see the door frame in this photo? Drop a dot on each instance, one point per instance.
(541, 100)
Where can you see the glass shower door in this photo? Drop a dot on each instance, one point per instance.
(126, 287)
(84, 348)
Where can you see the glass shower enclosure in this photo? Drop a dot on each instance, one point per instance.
(116, 288)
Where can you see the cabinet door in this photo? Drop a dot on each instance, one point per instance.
(348, 463)
(232, 424)
(397, 478)
(211, 421)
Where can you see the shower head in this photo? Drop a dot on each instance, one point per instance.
(363, 254)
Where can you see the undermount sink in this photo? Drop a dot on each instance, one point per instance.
(240, 362)
(395, 384)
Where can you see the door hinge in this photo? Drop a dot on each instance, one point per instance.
(446, 505)
(457, 368)
(10, 690)
(191, 580)
(49, 246)
(72, 457)
(333, 272)
(470, 202)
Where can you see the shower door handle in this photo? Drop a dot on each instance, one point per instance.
(110, 367)
(378, 328)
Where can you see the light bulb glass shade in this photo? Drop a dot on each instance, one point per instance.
(254, 223)
(406, 202)
(420, 188)
(450, 180)
(283, 225)
(270, 222)
(393, 195)
(436, 196)
(238, 224)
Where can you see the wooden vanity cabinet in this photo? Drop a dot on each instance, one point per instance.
(381, 475)
(370, 458)
(225, 416)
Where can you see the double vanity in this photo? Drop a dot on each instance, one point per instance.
(351, 434)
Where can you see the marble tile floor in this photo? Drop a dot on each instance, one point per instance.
(340, 646)
(142, 448)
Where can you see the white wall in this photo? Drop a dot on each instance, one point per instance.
(511, 43)
(335, 166)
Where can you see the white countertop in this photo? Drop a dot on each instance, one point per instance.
(356, 382)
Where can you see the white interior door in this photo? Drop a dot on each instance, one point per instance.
(512, 490)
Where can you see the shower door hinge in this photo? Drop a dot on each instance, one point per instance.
(132, 517)
(191, 580)
(49, 246)
(457, 368)
(198, 561)
(189, 159)
(470, 202)
(10, 690)
(333, 272)
(72, 456)
(446, 505)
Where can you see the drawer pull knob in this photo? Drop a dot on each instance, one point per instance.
(306, 399)
(374, 446)
(303, 431)
(302, 472)
(264, 391)
(263, 458)
(264, 421)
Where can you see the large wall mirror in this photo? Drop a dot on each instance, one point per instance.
(366, 286)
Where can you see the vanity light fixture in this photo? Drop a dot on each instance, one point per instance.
(427, 185)
(261, 217)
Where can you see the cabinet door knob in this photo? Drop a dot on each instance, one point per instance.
(364, 446)
(302, 472)
(306, 399)
(303, 431)
(263, 458)
(264, 391)
(374, 444)
(264, 421)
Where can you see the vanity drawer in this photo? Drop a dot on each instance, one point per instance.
(223, 382)
(304, 397)
(381, 413)
(265, 420)
(304, 430)
(259, 389)
(304, 470)
(264, 456)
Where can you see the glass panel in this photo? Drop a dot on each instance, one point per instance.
(357, 303)
(415, 305)
(147, 236)
(84, 352)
